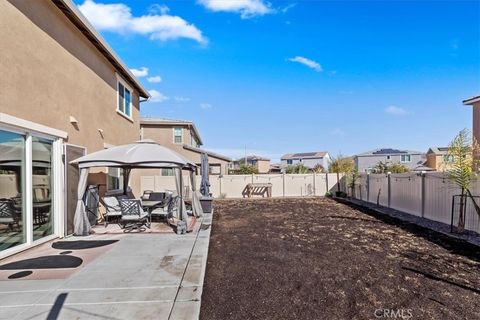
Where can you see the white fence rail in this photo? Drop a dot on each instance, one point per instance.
(231, 186)
(426, 195)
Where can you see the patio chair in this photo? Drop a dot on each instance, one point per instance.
(133, 216)
(8, 213)
(162, 209)
(91, 200)
(112, 209)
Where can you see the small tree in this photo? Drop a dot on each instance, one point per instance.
(247, 169)
(383, 167)
(341, 164)
(462, 158)
(297, 168)
(318, 168)
(352, 178)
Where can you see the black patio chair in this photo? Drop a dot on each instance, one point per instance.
(133, 216)
(92, 200)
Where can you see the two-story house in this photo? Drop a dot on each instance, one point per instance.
(475, 103)
(183, 137)
(64, 93)
(365, 162)
(438, 159)
(309, 159)
(260, 163)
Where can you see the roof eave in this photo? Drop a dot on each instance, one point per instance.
(76, 17)
(471, 101)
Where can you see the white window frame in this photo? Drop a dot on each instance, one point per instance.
(181, 135)
(403, 156)
(120, 181)
(29, 129)
(127, 87)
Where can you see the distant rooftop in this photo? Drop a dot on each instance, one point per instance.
(253, 158)
(305, 155)
(388, 151)
(171, 122)
(211, 154)
(438, 150)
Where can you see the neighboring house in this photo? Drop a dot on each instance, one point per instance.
(183, 137)
(275, 168)
(475, 103)
(262, 164)
(365, 162)
(438, 158)
(64, 93)
(308, 159)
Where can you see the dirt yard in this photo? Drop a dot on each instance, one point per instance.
(319, 259)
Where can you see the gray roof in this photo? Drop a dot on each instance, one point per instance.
(209, 153)
(71, 11)
(438, 150)
(387, 152)
(171, 122)
(253, 158)
(305, 155)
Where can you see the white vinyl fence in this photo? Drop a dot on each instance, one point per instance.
(231, 186)
(427, 195)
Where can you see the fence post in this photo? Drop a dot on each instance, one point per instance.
(326, 183)
(389, 183)
(220, 184)
(424, 190)
(314, 184)
(283, 183)
(252, 177)
(368, 187)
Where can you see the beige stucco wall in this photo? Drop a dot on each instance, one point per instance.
(50, 72)
(263, 166)
(164, 136)
(476, 121)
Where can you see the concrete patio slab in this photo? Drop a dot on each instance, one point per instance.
(142, 276)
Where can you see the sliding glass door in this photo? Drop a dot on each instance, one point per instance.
(42, 187)
(26, 188)
(12, 186)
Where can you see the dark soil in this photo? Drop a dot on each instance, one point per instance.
(319, 259)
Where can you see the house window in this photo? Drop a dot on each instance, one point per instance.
(167, 172)
(124, 100)
(215, 169)
(289, 162)
(448, 158)
(177, 135)
(114, 179)
(406, 158)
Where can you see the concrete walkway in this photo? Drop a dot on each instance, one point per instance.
(143, 276)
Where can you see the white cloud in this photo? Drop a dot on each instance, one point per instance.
(246, 8)
(158, 9)
(307, 62)
(396, 111)
(157, 96)
(182, 99)
(205, 105)
(154, 79)
(118, 18)
(288, 7)
(142, 72)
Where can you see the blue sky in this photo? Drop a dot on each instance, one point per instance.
(297, 76)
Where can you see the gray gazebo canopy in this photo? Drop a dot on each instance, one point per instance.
(145, 154)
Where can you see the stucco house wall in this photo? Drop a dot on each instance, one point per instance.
(364, 163)
(51, 71)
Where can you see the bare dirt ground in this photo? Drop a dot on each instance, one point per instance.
(319, 259)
